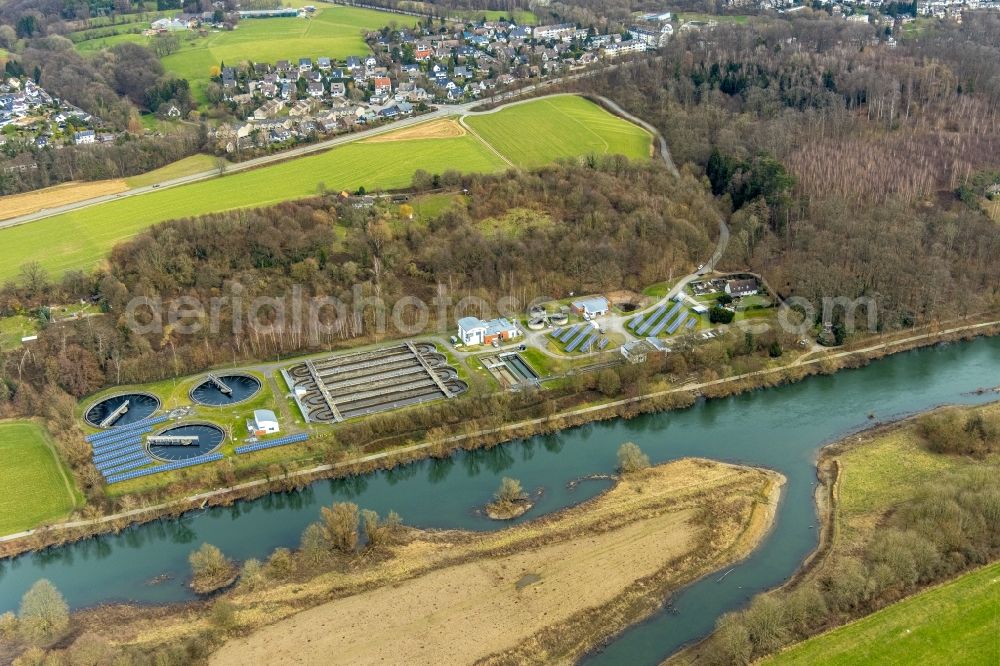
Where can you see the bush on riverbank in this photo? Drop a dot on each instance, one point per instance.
(631, 459)
(952, 431)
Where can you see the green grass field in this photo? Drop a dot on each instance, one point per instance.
(956, 623)
(79, 239)
(183, 167)
(36, 487)
(537, 133)
(334, 31)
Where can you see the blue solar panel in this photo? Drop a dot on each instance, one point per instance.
(575, 342)
(570, 332)
(135, 464)
(602, 344)
(556, 333)
(113, 432)
(691, 323)
(651, 319)
(110, 441)
(677, 323)
(590, 341)
(281, 441)
(128, 462)
(117, 453)
(635, 322)
(126, 476)
(101, 450)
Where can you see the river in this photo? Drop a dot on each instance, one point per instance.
(780, 428)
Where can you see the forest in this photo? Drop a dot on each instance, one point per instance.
(605, 224)
(839, 158)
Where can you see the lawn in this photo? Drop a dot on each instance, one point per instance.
(36, 487)
(80, 238)
(334, 31)
(15, 327)
(540, 131)
(183, 167)
(956, 623)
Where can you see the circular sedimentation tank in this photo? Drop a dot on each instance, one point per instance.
(209, 436)
(536, 324)
(209, 393)
(559, 318)
(140, 406)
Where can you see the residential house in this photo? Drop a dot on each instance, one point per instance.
(315, 89)
(84, 137)
(383, 85)
(738, 288)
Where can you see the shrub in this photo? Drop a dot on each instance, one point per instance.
(223, 615)
(631, 458)
(44, 615)
(510, 490)
(379, 533)
(252, 576)
(720, 315)
(210, 569)
(340, 525)
(281, 565)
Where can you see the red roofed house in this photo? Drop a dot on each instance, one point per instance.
(383, 85)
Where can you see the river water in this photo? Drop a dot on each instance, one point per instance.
(781, 428)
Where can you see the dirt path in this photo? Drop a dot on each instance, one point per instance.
(552, 572)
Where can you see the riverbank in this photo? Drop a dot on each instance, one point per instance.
(543, 590)
(875, 533)
(672, 398)
(547, 590)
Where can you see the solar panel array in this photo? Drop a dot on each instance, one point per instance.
(120, 430)
(102, 451)
(602, 344)
(578, 338)
(635, 322)
(677, 323)
(135, 474)
(570, 332)
(657, 313)
(113, 455)
(691, 323)
(556, 333)
(124, 467)
(281, 441)
(589, 343)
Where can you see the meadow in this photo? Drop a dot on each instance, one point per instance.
(541, 131)
(80, 238)
(956, 623)
(36, 485)
(333, 31)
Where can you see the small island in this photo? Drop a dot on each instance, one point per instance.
(509, 502)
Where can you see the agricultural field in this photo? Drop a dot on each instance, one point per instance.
(15, 205)
(333, 31)
(540, 131)
(80, 238)
(956, 623)
(36, 486)
(183, 167)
